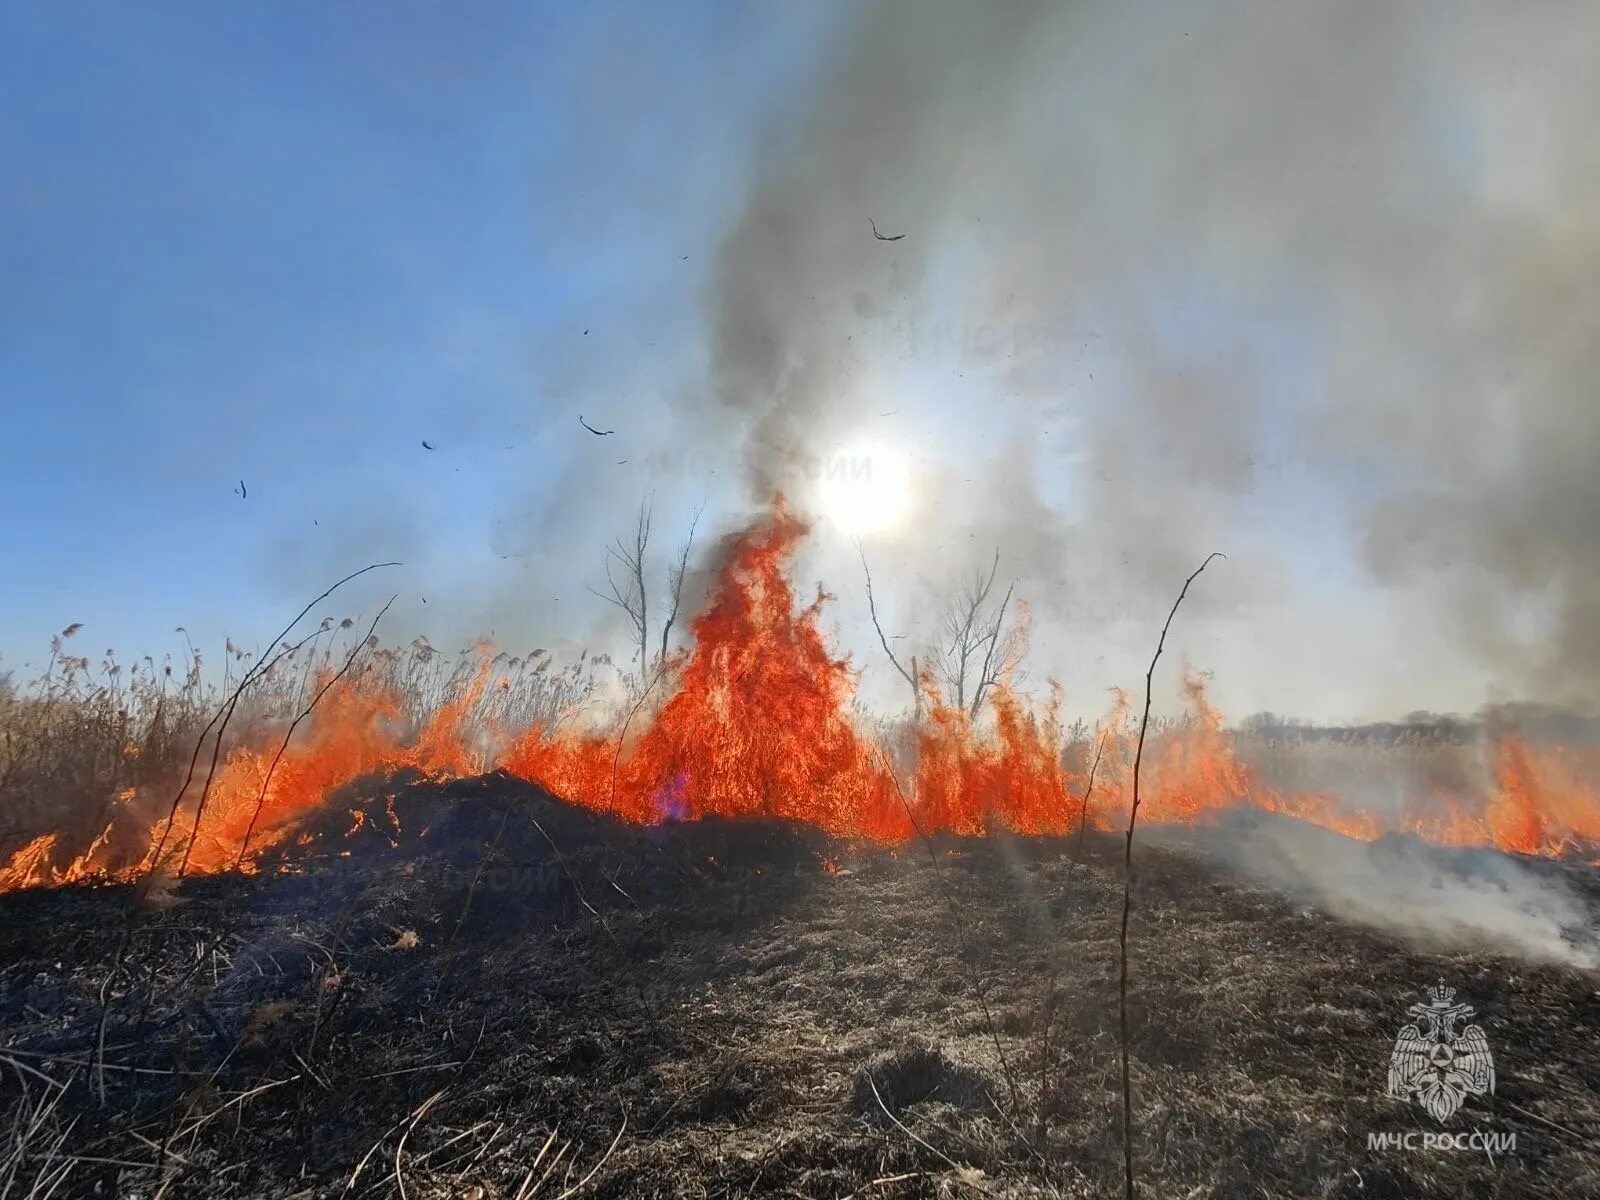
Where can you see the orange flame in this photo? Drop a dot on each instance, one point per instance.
(756, 721)
(758, 726)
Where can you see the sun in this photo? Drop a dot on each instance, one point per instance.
(865, 489)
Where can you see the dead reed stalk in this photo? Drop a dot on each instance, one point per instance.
(225, 713)
(266, 782)
(1127, 889)
(218, 723)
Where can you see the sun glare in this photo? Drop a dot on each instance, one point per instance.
(865, 489)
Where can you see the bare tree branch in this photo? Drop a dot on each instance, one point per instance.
(974, 650)
(635, 564)
(675, 582)
(993, 667)
(970, 629)
(961, 638)
(872, 607)
(628, 587)
(631, 595)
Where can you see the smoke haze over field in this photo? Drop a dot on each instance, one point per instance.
(1431, 897)
(1308, 284)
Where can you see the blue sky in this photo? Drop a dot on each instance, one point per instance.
(287, 243)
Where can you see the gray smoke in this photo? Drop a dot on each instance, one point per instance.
(1433, 898)
(914, 111)
(1305, 282)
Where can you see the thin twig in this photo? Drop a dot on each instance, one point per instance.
(572, 879)
(347, 916)
(964, 1174)
(367, 1157)
(522, 1190)
(675, 578)
(1127, 890)
(872, 609)
(104, 999)
(34, 1071)
(249, 677)
(622, 737)
(561, 1152)
(400, 1148)
(266, 782)
(575, 1188)
(988, 674)
(1572, 1133)
(195, 1128)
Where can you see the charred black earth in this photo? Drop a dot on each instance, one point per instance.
(482, 992)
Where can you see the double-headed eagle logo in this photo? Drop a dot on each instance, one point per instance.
(1436, 1065)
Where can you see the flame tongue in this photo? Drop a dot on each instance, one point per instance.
(756, 721)
(758, 725)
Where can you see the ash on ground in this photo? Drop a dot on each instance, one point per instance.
(492, 994)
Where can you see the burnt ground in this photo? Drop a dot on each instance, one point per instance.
(497, 995)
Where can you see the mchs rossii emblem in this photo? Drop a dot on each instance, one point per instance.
(1435, 1063)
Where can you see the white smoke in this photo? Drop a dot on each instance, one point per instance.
(1433, 898)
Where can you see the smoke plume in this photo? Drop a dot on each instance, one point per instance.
(1303, 282)
(1435, 899)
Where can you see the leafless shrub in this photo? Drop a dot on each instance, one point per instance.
(628, 588)
(975, 647)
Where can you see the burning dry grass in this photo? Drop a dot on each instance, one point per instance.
(714, 993)
(91, 756)
(340, 744)
(97, 778)
(1483, 783)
